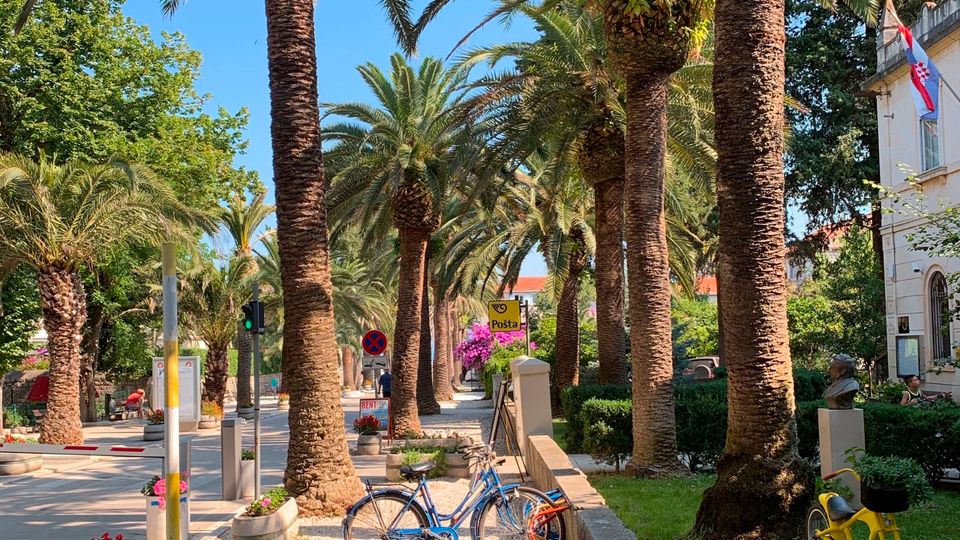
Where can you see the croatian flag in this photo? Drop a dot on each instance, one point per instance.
(923, 74)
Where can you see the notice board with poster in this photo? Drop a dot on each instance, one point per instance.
(189, 375)
(378, 408)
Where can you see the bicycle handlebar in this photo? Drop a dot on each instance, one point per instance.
(838, 472)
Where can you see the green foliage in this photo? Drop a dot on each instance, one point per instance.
(19, 315)
(891, 392)
(930, 435)
(812, 325)
(248, 454)
(545, 336)
(269, 502)
(808, 428)
(13, 417)
(418, 454)
(701, 416)
(608, 433)
(572, 400)
(893, 472)
(809, 384)
(499, 362)
(696, 331)
(661, 509)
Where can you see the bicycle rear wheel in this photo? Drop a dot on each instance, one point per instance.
(381, 515)
(816, 521)
(505, 518)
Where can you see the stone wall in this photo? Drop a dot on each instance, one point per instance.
(551, 468)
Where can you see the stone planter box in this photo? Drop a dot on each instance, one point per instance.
(245, 412)
(22, 430)
(247, 483)
(368, 445)
(280, 525)
(11, 464)
(283, 405)
(208, 422)
(451, 443)
(157, 518)
(153, 432)
(456, 466)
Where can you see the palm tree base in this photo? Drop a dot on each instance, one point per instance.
(329, 498)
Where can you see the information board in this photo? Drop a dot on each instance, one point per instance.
(378, 408)
(504, 315)
(189, 371)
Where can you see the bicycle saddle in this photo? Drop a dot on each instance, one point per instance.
(411, 472)
(839, 510)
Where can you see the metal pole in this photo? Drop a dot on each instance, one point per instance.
(171, 415)
(526, 321)
(257, 357)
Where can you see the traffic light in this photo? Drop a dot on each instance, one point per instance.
(253, 319)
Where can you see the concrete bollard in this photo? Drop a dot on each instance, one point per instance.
(531, 393)
(231, 431)
(840, 431)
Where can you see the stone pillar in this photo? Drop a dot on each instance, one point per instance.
(841, 430)
(531, 392)
(230, 454)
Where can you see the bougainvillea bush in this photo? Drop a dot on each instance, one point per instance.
(481, 344)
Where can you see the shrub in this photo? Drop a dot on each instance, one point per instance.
(809, 384)
(13, 418)
(155, 417)
(889, 392)
(366, 425)
(572, 400)
(499, 362)
(248, 455)
(808, 428)
(701, 416)
(928, 435)
(608, 435)
(893, 472)
(268, 503)
(417, 454)
(211, 408)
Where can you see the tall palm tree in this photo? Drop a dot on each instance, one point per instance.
(211, 297)
(59, 218)
(761, 448)
(396, 167)
(426, 398)
(242, 221)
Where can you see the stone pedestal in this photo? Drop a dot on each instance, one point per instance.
(841, 430)
(531, 392)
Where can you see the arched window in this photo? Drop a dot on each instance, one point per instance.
(940, 317)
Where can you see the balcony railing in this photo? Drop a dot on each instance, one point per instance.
(928, 27)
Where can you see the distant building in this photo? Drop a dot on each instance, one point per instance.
(527, 288)
(799, 266)
(921, 329)
(707, 287)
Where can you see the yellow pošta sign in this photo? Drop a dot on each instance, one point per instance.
(504, 315)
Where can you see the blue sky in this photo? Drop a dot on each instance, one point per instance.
(231, 36)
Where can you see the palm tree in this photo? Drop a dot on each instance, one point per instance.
(426, 398)
(242, 221)
(211, 297)
(59, 218)
(761, 448)
(396, 166)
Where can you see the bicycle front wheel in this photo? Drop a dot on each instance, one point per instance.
(505, 518)
(816, 521)
(383, 515)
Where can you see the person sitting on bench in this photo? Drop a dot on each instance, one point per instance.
(135, 402)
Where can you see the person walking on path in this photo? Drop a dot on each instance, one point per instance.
(386, 381)
(135, 402)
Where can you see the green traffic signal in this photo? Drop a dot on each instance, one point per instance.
(248, 317)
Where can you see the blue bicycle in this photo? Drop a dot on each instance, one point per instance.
(496, 510)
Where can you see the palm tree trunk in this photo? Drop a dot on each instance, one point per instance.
(456, 365)
(349, 369)
(90, 349)
(406, 349)
(568, 331)
(443, 388)
(215, 378)
(319, 471)
(426, 400)
(611, 337)
(654, 425)
(64, 307)
(763, 487)
(244, 363)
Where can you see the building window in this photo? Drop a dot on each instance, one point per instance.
(930, 144)
(940, 317)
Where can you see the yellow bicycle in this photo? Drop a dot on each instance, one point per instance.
(832, 518)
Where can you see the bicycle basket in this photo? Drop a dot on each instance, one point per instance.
(884, 500)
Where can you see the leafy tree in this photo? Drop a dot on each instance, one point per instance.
(813, 327)
(696, 330)
(19, 316)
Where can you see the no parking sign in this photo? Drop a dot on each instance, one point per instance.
(374, 342)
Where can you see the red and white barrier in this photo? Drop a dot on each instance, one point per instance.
(82, 450)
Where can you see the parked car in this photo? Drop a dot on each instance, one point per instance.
(701, 368)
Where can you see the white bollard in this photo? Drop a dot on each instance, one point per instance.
(531, 393)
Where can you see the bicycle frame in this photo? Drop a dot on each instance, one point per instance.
(882, 526)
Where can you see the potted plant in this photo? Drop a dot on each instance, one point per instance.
(155, 491)
(345, 391)
(368, 442)
(247, 468)
(283, 401)
(245, 411)
(210, 415)
(271, 516)
(11, 464)
(153, 431)
(890, 484)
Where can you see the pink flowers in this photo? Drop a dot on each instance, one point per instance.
(106, 536)
(157, 487)
(480, 344)
(265, 502)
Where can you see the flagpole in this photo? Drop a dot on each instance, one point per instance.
(950, 88)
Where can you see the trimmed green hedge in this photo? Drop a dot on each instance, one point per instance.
(929, 435)
(572, 400)
(608, 435)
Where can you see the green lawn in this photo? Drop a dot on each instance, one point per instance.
(560, 432)
(665, 509)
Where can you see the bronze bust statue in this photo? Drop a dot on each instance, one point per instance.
(839, 395)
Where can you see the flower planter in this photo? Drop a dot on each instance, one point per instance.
(885, 500)
(282, 524)
(247, 485)
(245, 412)
(368, 445)
(208, 422)
(283, 405)
(11, 464)
(458, 467)
(157, 518)
(153, 432)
